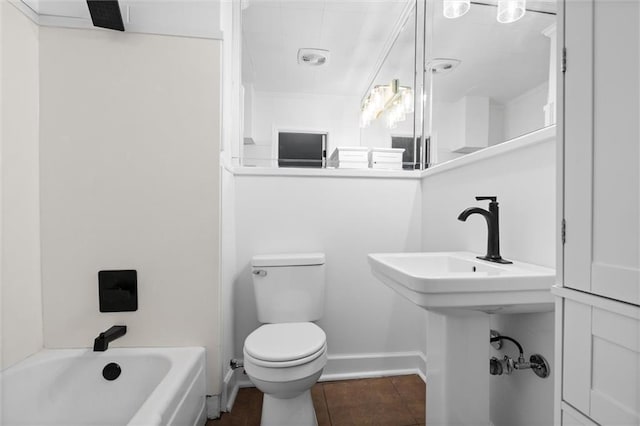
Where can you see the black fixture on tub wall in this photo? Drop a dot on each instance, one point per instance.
(101, 343)
(118, 290)
(493, 229)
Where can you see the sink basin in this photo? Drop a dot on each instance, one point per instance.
(458, 281)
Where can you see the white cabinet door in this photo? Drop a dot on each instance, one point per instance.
(601, 361)
(571, 417)
(616, 125)
(602, 148)
(578, 142)
(576, 362)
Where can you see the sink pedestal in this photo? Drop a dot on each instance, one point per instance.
(458, 369)
(460, 291)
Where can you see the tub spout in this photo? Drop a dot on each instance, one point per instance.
(101, 343)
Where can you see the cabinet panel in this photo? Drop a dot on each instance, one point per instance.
(616, 132)
(571, 417)
(601, 360)
(576, 362)
(615, 393)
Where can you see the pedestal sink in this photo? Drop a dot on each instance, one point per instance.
(451, 281)
(460, 291)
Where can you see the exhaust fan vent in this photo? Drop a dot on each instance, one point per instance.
(313, 57)
(442, 65)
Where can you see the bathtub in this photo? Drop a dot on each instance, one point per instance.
(164, 386)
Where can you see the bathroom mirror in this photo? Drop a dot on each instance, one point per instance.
(306, 67)
(310, 68)
(397, 123)
(491, 82)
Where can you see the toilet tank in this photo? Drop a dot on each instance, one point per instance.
(289, 287)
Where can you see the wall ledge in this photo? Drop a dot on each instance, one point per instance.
(322, 173)
(534, 138)
(530, 139)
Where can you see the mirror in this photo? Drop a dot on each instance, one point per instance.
(311, 69)
(490, 82)
(306, 68)
(396, 124)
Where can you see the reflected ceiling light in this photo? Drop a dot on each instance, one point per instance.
(510, 10)
(392, 100)
(455, 8)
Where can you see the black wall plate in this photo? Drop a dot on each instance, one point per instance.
(118, 290)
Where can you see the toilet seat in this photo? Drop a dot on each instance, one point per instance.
(284, 364)
(285, 344)
(285, 352)
(284, 372)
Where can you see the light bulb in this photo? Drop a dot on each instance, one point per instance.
(510, 10)
(455, 8)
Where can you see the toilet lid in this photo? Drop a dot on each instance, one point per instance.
(285, 341)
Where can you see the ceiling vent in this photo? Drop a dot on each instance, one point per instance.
(442, 65)
(313, 57)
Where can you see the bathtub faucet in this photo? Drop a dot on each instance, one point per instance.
(101, 343)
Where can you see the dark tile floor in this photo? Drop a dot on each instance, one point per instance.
(391, 401)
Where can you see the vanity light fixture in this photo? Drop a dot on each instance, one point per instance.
(455, 8)
(508, 10)
(392, 100)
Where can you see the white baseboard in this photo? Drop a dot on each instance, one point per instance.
(360, 366)
(341, 367)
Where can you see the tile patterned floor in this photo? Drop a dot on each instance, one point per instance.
(390, 401)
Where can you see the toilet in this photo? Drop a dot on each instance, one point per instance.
(285, 356)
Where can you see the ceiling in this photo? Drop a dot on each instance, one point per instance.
(498, 60)
(354, 32)
(198, 18)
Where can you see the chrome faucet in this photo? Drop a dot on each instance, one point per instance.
(493, 230)
(101, 343)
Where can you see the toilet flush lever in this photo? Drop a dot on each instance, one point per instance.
(260, 272)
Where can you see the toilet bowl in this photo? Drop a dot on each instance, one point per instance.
(284, 361)
(285, 356)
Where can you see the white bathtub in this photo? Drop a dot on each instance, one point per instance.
(65, 387)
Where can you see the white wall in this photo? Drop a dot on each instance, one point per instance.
(346, 218)
(130, 179)
(227, 279)
(20, 247)
(521, 115)
(525, 113)
(524, 182)
(338, 115)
